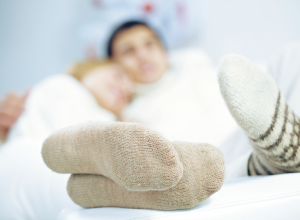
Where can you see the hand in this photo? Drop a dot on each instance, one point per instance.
(11, 107)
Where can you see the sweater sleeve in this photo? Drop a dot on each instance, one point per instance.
(55, 103)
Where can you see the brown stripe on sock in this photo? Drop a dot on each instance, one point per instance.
(258, 166)
(283, 170)
(248, 165)
(291, 145)
(251, 172)
(252, 169)
(264, 168)
(296, 147)
(274, 119)
(282, 131)
(295, 150)
(296, 166)
(281, 157)
(298, 135)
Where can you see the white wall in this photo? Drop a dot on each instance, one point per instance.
(39, 38)
(253, 28)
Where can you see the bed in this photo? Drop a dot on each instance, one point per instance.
(264, 197)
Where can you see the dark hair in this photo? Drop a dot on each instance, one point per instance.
(125, 26)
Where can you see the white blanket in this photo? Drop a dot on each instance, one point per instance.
(29, 189)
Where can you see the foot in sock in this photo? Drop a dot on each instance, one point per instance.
(203, 175)
(133, 156)
(260, 109)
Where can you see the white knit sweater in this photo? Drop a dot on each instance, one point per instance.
(185, 104)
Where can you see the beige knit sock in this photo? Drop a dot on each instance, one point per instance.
(133, 156)
(256, 103)
(203, 175)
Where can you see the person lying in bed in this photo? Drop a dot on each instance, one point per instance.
(165, 100)
(92, 90)
(184, 174)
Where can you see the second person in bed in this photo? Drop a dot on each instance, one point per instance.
(92, 90)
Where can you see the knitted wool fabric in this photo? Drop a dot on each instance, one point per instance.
(133, 156)
(259, 108)
(203, 175)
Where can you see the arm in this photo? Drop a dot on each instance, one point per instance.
(11, 107)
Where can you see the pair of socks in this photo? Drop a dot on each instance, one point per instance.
(256, 103)
(127, 165)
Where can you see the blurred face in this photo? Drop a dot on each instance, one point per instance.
(111, 87)
(140, 51)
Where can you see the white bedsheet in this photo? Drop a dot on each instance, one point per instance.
(245, 198)
(28, 188)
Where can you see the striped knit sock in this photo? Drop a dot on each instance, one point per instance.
(260, 109)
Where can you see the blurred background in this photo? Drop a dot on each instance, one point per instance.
(40, 38)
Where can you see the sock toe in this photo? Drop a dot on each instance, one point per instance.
(151, 162)
(130, 154)
(204, 172)
(250, 94)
